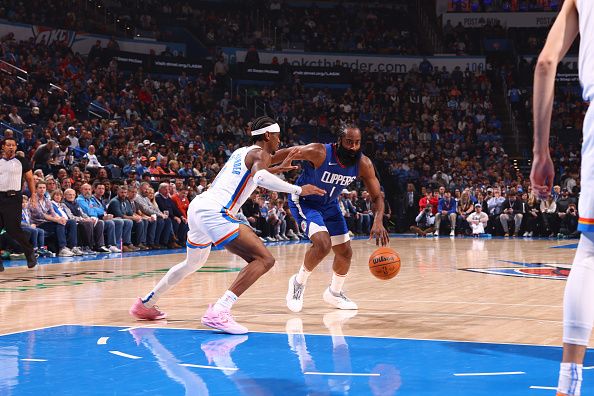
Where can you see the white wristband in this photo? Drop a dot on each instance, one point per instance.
(265, 179)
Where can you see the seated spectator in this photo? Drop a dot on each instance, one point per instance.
(365, 213)
(531, 218)
(159, 229)
(464, 208)
(347, 209)
(478, 220)
(548, 208)
(513, 209)
(36, 235)
(121, 209)
(425, 221)
(141, 233)
(44, 217)
(91, 227)
(167, 206)
(569, 223)
(62, 210)
(180, 198)
(495, 206)
(446, 210)
(93, 208)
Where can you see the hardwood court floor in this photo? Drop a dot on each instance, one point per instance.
(433, 297)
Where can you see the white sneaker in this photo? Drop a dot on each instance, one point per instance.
(295, 294)
(114, 249)
(436, 233)
(525, 234)
(77, 251)
(452, 233)
(338, 301)
(270, 239)
(262, 239)
(290, 233)
(530, 233)
(65, 252)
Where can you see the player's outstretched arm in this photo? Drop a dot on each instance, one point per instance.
(562, 34)
(258, 161)
(367, 174)
(313, 152)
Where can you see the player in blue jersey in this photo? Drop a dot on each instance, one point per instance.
(331, 167)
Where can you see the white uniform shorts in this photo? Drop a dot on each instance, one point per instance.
(586, 199)
(210, 224)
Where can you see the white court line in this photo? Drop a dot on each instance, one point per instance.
(208, 367)
(138, 327)
(435, 314)
(487, 374)
(588, 368)
(102, 340)
(122, 354)
(544, 387)
(276, 298)
(33, 360)
(35, 329)
(344, 374)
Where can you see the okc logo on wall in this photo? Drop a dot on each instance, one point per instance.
(49, 35)
(554, 271)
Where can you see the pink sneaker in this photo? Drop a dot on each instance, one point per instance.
(222, 320)
(139, 311)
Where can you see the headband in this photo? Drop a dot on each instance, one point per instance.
(270, 128)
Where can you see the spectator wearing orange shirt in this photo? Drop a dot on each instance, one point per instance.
(181, 201)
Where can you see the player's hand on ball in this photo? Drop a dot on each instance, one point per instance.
(380, 234)
(310, 189)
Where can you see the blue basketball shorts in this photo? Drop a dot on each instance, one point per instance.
(320, 218)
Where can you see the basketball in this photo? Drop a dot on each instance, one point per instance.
(384, 263)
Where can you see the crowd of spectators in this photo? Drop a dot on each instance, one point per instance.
(428, 128)
(377, 28)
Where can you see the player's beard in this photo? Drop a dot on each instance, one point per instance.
(347, 157)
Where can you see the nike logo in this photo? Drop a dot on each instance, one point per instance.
(332, 163)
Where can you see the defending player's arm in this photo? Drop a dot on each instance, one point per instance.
(314, 153)
(367, 174)
(562, 34)
(258, 161)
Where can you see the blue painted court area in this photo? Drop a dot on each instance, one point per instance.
(101, 360)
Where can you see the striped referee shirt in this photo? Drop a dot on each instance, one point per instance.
(11, 173)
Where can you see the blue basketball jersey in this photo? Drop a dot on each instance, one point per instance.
(331, 176)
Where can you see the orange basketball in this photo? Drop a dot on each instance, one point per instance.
(384, 263)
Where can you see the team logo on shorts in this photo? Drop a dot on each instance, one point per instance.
(554, 271)
(303, 225)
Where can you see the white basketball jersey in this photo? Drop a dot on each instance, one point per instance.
(586, 58)
(234, 183)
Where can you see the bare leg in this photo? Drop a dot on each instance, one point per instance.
(342, 258)
(250, 248)
(319, 249)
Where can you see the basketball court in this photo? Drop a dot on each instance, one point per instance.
(464, 317)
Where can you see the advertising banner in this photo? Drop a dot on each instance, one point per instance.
(359, 62)
(505, 19)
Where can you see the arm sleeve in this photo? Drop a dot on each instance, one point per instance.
(265, 179)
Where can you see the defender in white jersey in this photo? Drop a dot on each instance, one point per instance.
(576, 16)
(211, 218)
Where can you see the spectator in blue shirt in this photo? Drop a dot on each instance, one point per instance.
(94, 209)
(446, 209)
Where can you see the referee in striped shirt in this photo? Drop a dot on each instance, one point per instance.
(12, 171)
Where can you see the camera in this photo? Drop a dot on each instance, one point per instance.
(427, 210)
